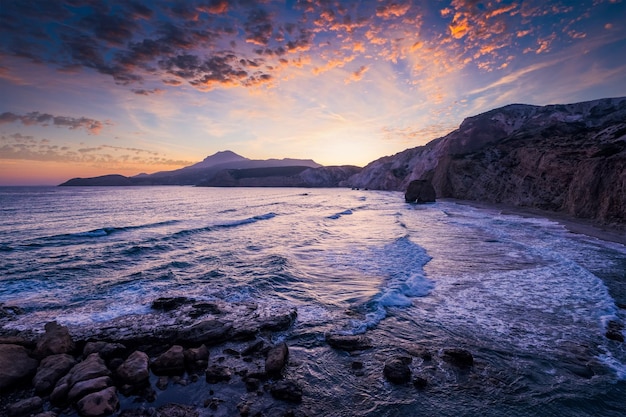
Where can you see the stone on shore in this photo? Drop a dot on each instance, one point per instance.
(57, 339)
(50, 371)
(614, 331)
(26, 407)
(420, 191)
(196, 358)
(171, 362)
(15, 365)
(348, 343)
(82, 388)
(134, 370)
(276, 360)
(97, 404)
(397, 370)
(217, 373)
(458, 357)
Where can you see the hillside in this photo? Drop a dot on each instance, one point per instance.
(564, 158)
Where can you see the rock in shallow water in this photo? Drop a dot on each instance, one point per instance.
(287, 391)
(171, 362)
(348, 342)
(97, 404)
(276, 359)
(458, 357)
(397, 370)
(134, 370)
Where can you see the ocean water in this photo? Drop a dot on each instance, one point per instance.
(529, 299)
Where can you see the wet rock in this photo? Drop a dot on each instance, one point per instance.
(286, 390)
(50, 370)
(397, 370)
(171, 362)
(134, 370)
(9, 312)
(348, 342)
(92, 367)
(209, 332)
(458, 357)
(420, 382)
(420, 191)
(614, 331)
(26, 407)
(170, 303)
(57, 339)
(101, 403)
(278, 321)
(276, 359)
(15, 365)
(419, 352)
(217, 373)
(82, 388)
(105, 349)
(196, 358)
(203, 308)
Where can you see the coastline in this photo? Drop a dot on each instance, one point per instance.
(572, 224)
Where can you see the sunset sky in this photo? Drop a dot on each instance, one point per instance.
(92, 87)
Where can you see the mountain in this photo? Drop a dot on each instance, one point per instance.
(282, 176)
(218, 164)
(566, 158)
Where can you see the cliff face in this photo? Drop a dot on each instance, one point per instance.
(567, 158)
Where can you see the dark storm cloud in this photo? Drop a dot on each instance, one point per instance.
(258, 27)
(44, 119)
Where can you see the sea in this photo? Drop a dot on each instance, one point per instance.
(529, 299)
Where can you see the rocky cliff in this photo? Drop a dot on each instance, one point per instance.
(566, 158)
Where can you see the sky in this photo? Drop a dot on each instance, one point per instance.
(90, 87)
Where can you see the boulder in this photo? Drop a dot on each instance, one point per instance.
(15, 365)
(134, 370)
(171, 362)
(57, 339)
(50, 370)
(287, 391)
(101, 403)
(420, 191)
(397, 370)
(458, 357)
(348, 343)
(82, 388)
(26, 407)
(196, 358)
(217, 373)
(92, 367)
(276, 359)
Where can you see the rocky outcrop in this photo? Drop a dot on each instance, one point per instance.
(420, 191)
(565, 158)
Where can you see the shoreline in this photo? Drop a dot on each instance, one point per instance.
(572, 224)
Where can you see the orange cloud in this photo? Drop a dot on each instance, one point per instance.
(357, 75)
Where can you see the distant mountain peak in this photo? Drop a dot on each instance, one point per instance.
(221, 157)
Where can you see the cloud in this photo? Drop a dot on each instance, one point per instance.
(143, 92)
(44, 119)
(21, 147)
(357, 75)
